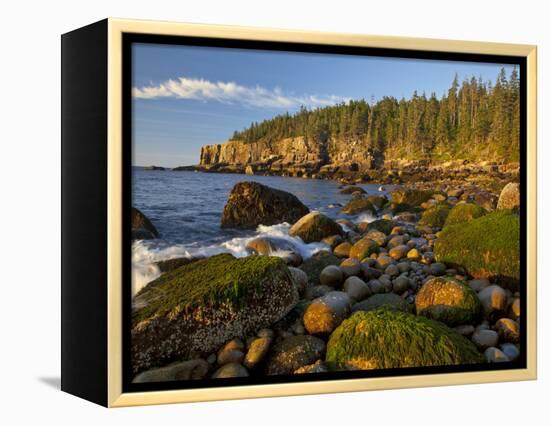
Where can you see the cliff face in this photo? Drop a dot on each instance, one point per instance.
(290, 154)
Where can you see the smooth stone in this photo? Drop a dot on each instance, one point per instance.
(510, 350)
(484, 339)
(317, 291)
(229, 356)
(230, 371)
(438, 269)
(495, 355)
(350, 267)
(508, 330)
(383, 261)
(377, 236)
(404, 267)
(369, 272)
(331, 276)
(400, 284)
(376, 286)
(493, 301)
(332, 241)
(326, 313)
(413, 254)
(466, 330)
(257, 351)
(356, 289)
(342, 250)
(514, 310)
(479, 284)
(392, 270)
(399, 252)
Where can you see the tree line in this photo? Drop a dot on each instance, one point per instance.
(474, 120)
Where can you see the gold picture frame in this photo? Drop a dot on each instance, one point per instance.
(115, 29)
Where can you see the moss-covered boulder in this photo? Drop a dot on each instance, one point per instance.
(251, 204)
(142, 227)
(198, 307)
(316, 263)
(314, 227)
(464, 213)
(293, 353)
(171, 264)
(382, 225)
(386, 338)
(359, 205)
(390, 301)
(435, 216)
(363, 248)
(486, 247)
(448, 300)
(410, 196)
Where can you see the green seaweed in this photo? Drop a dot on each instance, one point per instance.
(216, 280)
(392, 339)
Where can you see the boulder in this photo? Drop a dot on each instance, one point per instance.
(386, 338)
(359, 205)
(268, 246)
(251, 204)
(363, 248)
(388, 300)
(300, 279)
(294, 352)
(171, 264)
(316, 263)
(382, 225)
(198, 307)
(509, 197)
(486, 247)
(484, 339)
(350, 267)
(314, 226)
(193, 369)
(142, 228)
(326, 313)
(411, 197)
(399, 252)
(436, 216)
(464, 213)
(448, 300)
(377, 236)
(377, 201)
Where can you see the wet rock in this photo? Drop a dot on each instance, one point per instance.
(514, 310)
(401, 284)
(388, 300)
(316, 263)
(438, 269)
(300, 279)
(510, 350)
(383, 261)
(399, 252)
(333, 241)
(314, 227)
(479, 285)
(142, 227)
(318, 367)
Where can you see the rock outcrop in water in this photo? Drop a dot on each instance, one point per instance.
(251, 204)
(142, 228)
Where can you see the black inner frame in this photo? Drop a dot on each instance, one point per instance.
(130, 38)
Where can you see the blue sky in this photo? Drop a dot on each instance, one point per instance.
(186, 97)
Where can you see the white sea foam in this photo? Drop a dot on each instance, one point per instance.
(366, 217)
(145, 253)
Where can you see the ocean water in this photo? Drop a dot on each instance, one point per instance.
(186, 209)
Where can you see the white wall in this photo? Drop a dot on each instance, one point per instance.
(29, 231)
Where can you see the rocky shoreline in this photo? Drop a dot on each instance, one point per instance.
(434, 280)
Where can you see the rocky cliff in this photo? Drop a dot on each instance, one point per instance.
(294, 156)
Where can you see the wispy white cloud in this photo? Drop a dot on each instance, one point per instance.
(231, 93)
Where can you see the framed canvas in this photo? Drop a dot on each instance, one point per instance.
(254, 212)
